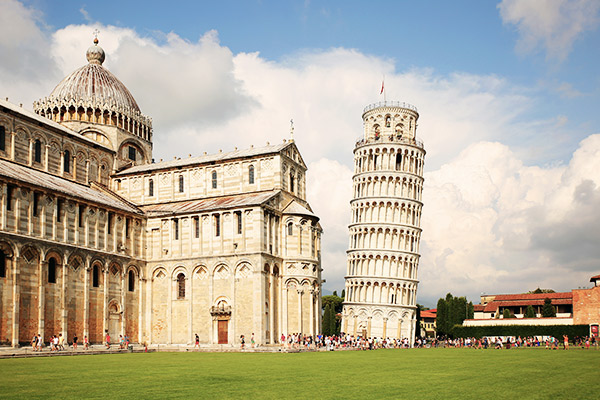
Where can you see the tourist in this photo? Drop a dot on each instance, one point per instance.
(566, 342)
(121, 342)
(197, 345)
(252, 340)
(75, 342)
(61, 342)
(55, 342)
(242, 341)
(107, 340)
(34, 343)
(86, 343)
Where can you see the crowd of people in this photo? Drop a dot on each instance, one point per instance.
(58, 343)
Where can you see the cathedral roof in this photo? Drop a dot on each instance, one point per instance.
(295, 208)
(184, 162)
(209, 204)
(69, 188)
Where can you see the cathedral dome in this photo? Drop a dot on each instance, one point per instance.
(93, 94)
(93, 83)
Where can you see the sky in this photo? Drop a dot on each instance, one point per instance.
(507, 91)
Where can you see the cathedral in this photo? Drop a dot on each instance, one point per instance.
(97, 238)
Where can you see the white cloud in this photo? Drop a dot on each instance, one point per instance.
(553, 24)
(493, 224)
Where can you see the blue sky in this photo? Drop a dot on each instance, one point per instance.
(508, 94)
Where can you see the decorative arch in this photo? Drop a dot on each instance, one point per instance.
(159, 273)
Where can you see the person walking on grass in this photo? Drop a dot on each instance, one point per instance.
(566, 342)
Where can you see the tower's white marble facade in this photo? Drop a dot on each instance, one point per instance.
(383, 255)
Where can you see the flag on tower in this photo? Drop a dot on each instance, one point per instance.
(381, 87)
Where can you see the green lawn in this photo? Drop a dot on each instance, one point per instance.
(415, 374)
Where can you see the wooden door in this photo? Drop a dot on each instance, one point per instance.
(223, 331)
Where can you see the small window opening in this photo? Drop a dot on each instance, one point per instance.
(110, 222)
(181, 286)
(81, 215)
(176, 228)
(214, 179)
(197, 227)
(52, 270)
(238, 219)
(67, 161)
(217, 219)
(2, 265)
(132, 153)
(36, 202)
(151, 188)
(38, 151)
(290, 228)
(131, 281)
(9, 190)
(251, 174)
(181, 184)
(2, 138)
(95, 276)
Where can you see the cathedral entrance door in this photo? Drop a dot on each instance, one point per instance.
(223, 331)
(114, 323)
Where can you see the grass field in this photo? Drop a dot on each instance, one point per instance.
(415, 374)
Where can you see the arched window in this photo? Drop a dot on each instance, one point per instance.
(398, 161)
(95, 276)
(290, 227)
(2, 265)
(181, 286)
(2, 138)
(251, 174)
(181, 186)
(151, 187)
(67, 161)
(38, 151)
(214, 179)
(291, 182)
(388, 121)
(131, 281)
(52, 270)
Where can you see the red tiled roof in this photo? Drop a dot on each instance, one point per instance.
(533, 296)
(478, 307)
(595, 278)
(493, 305)
(427, 314)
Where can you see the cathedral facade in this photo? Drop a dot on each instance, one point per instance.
(383, 255)
(96, 237)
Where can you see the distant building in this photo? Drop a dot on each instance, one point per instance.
(577, 307)
(428, 327)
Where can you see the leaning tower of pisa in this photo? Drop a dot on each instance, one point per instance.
(383, 255)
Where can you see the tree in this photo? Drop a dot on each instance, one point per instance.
(335, 292)
(471, 311)
(538, 290)
(327, 320)
(548, 310)
(334, 326)
(418, 323)
(441, 318)
(506, 313)
(529, 312)
(334, 300)
(343, 294)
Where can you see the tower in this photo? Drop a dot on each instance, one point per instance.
(383, 254)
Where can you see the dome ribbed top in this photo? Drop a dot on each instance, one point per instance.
(94, 84)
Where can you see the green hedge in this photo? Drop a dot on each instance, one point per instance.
(557, 331)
